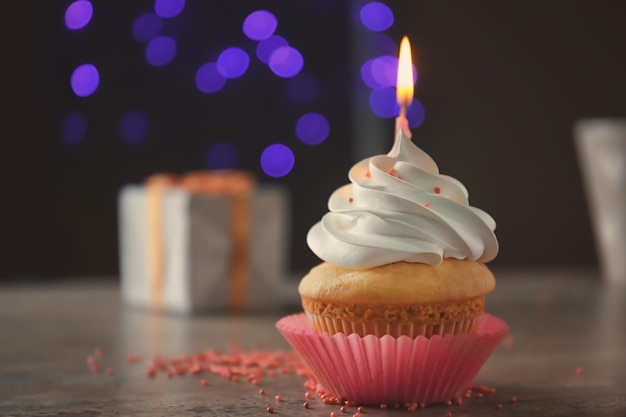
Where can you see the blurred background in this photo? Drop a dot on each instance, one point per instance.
(103, 94)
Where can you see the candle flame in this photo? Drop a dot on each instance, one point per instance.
(404, 83)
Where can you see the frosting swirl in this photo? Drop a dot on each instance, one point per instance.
(399, 208)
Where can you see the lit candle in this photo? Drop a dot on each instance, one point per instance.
(404, 86)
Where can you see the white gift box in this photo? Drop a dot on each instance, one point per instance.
(188, 259)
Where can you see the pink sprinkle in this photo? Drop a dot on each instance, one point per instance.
(350, 200)
(133, 358)
(427, 205)
(306, 405)
(308, 395)
(479, 395)
(448, 414)
(508, 341)
(437, 190)
(499, 407)
(383, 406)
(368, 175)
(262, 391)
(204, 383)
(278, 398)
(344, 409)
(579, 371)
(357, 414)
(333, 414)
(513, 400)
(110, 372)
(359, 409)
(545, 302)
(350, 403)
(99, 353)
(270, 410)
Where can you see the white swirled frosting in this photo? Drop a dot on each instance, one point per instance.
(399, 208)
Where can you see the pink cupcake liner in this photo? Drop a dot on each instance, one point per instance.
(374, 370)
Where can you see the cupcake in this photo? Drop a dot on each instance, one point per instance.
(403, 252)
(394, 313)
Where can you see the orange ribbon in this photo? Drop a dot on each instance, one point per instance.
(238, 187)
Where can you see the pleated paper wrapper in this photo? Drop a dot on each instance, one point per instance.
(374, 370)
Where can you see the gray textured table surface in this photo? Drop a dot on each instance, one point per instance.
(560, 321)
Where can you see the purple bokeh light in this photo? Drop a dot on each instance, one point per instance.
(160, 51)
(168, 8)
(303, 88)
(416, 114)
(382, 44)
(286, 62)
(133, 127)
(78, 14)
(312, 128)
(221, 155)
(376, 16)
(73, 127)
(233, 62)
(277, 160)
(85, 80)
(385, 71)
(265, 48)
(366, 75)
(208, 78)
(383, 102)
(382, 72)
(259, 25)
(146, 26)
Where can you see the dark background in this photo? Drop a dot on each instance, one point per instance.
(502, 84)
